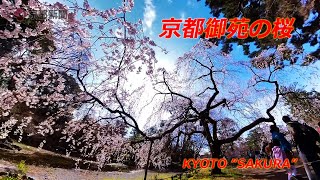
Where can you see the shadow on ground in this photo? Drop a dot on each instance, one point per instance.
(277, 174)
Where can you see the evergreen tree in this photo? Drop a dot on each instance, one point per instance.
(303, 105)
(306, 27)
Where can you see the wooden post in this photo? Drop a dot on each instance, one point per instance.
(148, 160)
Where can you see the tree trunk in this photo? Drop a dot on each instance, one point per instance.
(178, 141)
(214, 144)
(148, 160)
(215, 150)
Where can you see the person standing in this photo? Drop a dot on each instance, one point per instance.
(306, 139)
(278, 153)
(284, 143)
(280, 140)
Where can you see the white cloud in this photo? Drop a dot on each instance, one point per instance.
(169, 1)
(149, 15)
(183, 16)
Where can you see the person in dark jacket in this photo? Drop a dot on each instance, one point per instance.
(306, 139)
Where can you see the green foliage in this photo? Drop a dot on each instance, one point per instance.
(3, 81)
(205, 174)
(9, 178)
(22, 167)
(254, 136)
(135, 136)
(303, 105)
(22, 170)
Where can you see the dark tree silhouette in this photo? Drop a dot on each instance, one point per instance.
(306, 13)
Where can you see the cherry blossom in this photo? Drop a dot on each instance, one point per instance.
(46, 53)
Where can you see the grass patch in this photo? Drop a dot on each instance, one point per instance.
(194, 174)
(151, 176)
(34, 156)
(158, 176)
(18, 175)
(232, 172)
(205, 174)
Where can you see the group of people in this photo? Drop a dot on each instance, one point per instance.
(305, 139)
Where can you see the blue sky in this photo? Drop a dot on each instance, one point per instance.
(151, 12)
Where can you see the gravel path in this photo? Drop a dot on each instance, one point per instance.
(65, 174)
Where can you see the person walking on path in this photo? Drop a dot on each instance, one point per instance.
(306, 139)
(284, 143)
(278, 153)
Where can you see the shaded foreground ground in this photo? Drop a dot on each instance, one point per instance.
(43, 173)
(44, 165)
(273, 173)
(47, 173)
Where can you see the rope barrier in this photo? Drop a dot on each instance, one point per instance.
(309, 163)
